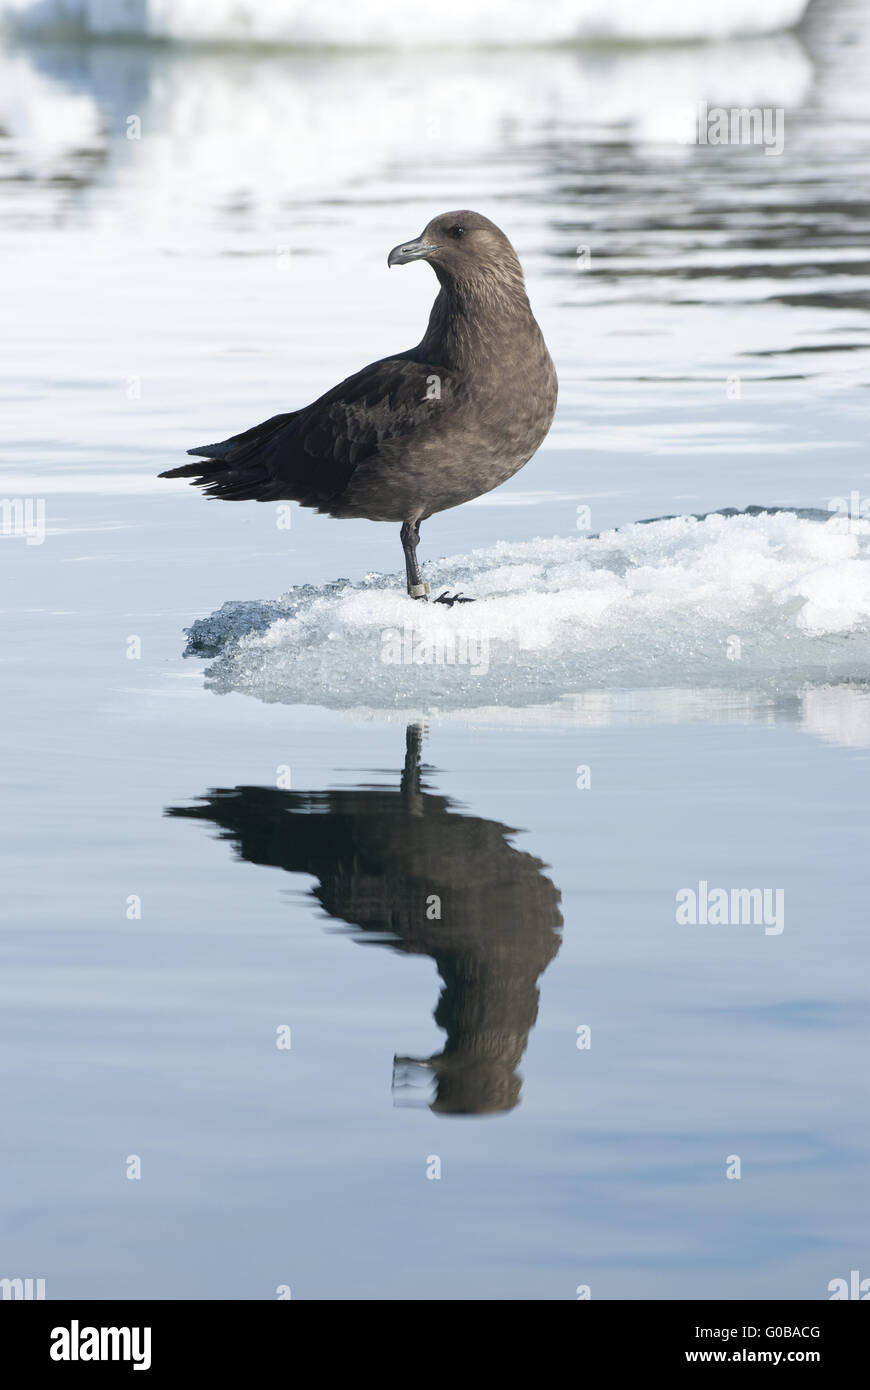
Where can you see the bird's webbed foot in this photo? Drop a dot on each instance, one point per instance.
(450, 599)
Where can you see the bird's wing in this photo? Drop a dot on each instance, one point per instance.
(310, 455)
(314, 456)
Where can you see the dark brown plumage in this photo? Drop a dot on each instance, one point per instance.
(421, 431)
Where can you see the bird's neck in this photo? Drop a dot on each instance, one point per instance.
(473, 319)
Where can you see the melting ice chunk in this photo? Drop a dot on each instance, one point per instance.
(728, 600)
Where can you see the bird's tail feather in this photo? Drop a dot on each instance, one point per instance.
(236, 468)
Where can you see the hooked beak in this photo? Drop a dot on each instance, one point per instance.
(411, 251)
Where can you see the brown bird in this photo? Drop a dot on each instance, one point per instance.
(423, 430)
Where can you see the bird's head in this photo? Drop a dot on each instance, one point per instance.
(461, 246)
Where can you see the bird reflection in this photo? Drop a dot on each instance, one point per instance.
(407, 869)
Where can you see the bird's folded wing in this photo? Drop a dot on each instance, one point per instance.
(316, 454)
(310, 455)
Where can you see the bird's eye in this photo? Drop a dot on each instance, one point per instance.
(457, 231)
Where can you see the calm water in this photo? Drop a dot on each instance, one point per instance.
(205, 852)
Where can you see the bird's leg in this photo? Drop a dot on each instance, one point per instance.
(416, 587)
(410, 541)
